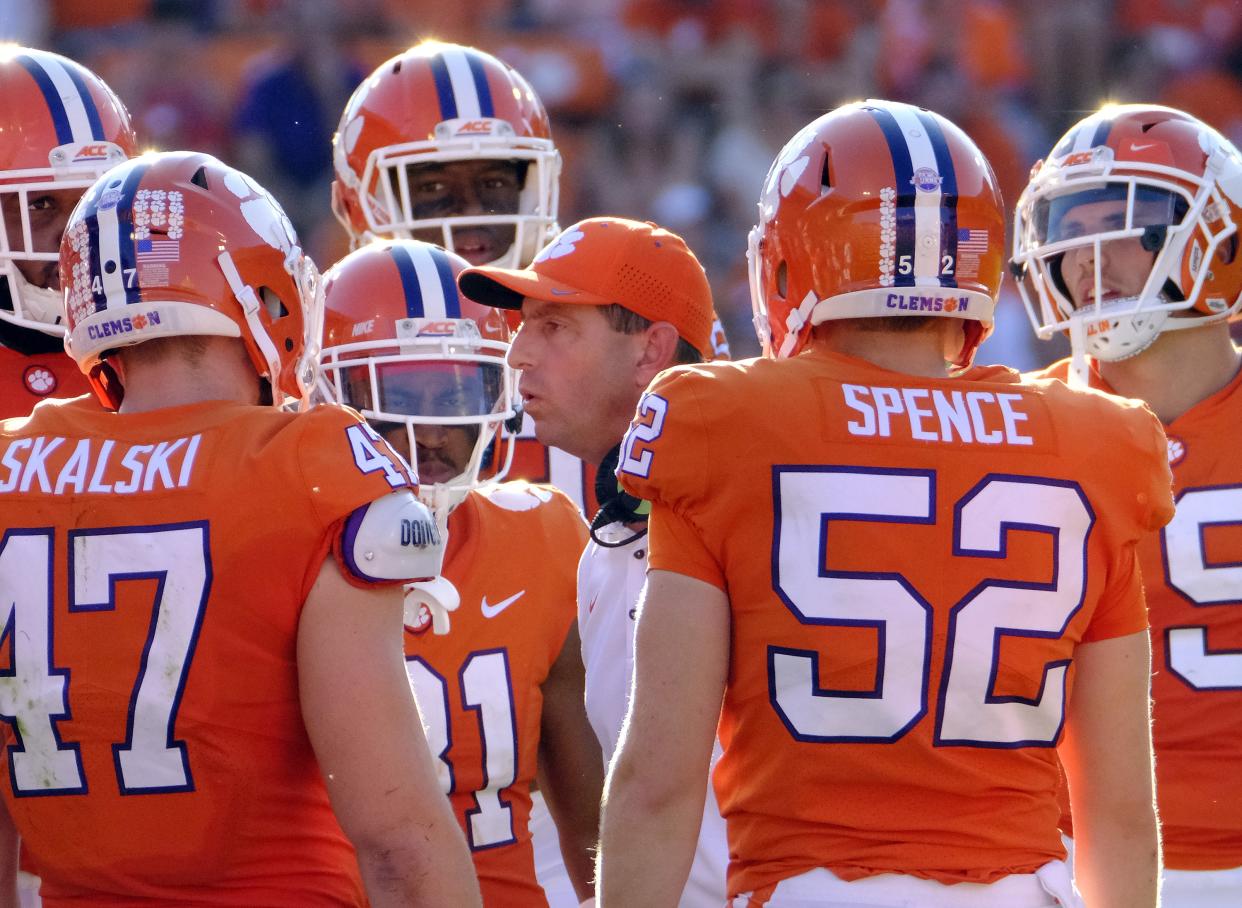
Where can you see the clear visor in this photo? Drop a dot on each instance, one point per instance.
(1101, 245)
(446, 393)
(1112, 210)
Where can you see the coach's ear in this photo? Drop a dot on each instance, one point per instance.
(656, 353)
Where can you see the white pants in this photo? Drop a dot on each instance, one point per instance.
(1201, 888)
(1048, 887)
(1190, 888)
(28, 890)
(549, 865)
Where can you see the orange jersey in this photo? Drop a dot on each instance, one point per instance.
(1193, 574)
(536, 462)
(910, 563)
(512, 554)
(153, 568)
(26, 380)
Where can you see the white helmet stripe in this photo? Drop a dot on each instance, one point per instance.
(464, 91)
(109, 246)
(75, 110)
(926, 202)
(434, 303)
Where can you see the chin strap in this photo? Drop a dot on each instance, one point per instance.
(251, 307)
(1079, 368)
(437, 597)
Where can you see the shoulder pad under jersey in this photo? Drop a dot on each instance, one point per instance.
(392, 538)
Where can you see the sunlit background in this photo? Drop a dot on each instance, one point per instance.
(664, 110)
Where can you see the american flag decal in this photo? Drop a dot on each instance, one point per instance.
(151, 251)
(972, 241)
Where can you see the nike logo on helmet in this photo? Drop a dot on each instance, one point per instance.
(491, 611)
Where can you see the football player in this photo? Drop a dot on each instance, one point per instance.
(205, 700)
(447, 144)
(60, 128)
(501, 692)
(605, 307)
(908, 578)
(1127, 240)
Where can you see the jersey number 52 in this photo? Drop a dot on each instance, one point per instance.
(968, 710)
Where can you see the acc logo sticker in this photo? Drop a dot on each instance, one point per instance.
(91, 153)
(475, 127)
(39, 380)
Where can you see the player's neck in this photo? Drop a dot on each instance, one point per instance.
(1178, 371)
(169, 382)
(919, 353)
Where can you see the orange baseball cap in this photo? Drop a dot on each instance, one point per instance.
(639, 265)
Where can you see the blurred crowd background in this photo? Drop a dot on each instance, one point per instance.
(664, 110)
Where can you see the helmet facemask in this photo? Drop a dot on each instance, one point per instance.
(1115, 258)
(447, 386)
(384, 193)
(74, 168)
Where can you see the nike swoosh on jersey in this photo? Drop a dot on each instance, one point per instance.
(491, 611)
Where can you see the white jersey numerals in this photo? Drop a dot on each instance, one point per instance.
(368, 458)
(1204, 584)
(652, 410)
(969, 712)
(34, 694)
(486, 690)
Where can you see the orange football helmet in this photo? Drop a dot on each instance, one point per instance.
(438, 104)
(404, 348)
(876, 209)
(178, 243)
(60, 128)
(1129, 177)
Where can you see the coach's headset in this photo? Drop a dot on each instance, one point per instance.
(615, 504)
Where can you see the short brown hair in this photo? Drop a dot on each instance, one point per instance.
(191, 347)
(627, 321)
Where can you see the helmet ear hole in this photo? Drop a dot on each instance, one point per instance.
(782, 279)
(1228, 250)
(276, 309)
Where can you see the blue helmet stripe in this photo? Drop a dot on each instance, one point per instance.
(112, 249)
(486, 108)
(948, 196)
(903, 173)
(88, 103)
(444, 88)
(55, 106)
(452, 302)
(1101, 132)
(409, 282)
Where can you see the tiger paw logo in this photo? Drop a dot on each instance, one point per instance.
(1177, 450)
(420, 622)
(139, 322)
(561, 246)
(39, 380)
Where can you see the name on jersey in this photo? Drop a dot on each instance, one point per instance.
(56, 466)
(932, 414)
(912, 302)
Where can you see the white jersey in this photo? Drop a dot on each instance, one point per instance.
(609, 582)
